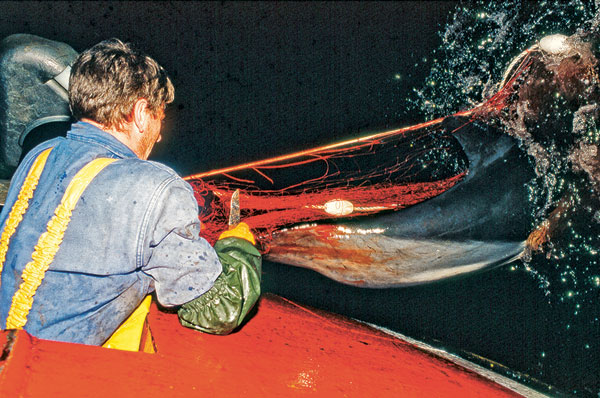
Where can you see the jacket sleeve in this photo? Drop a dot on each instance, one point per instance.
(223, 308)
(182, 265)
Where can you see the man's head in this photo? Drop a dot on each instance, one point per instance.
(107, 79)
(113, 84)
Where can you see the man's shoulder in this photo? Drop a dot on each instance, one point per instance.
(138, 182)
(146, 166)
(145, 171)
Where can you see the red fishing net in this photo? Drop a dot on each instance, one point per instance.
(380, 172)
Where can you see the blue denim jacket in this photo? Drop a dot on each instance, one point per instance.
(134, 230)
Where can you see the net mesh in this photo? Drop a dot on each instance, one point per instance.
(381, 172)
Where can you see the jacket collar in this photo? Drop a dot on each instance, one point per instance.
(85, 132)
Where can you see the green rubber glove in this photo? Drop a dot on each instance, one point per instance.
(224, 307)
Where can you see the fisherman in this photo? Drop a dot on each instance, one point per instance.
(91, 227)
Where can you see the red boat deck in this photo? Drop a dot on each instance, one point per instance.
(285, 350)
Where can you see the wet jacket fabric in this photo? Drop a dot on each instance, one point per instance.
(134, 230)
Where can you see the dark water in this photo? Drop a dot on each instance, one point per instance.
(260, 79)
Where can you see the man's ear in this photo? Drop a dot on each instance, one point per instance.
(140, 114)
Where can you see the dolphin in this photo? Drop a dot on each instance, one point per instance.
(486, 219)
(478, 223)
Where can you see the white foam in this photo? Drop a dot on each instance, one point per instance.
(554, 44)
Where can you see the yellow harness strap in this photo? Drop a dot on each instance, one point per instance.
(22, 203)
(48, 244)
(127, 337)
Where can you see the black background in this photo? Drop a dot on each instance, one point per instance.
(254, 79)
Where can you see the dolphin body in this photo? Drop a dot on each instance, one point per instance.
(479, 223)
(482, 221)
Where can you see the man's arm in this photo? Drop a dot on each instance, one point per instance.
(216, 287)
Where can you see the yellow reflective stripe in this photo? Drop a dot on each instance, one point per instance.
(21, 204)
(48, 244)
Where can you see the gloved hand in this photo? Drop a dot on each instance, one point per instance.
(236, 290)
